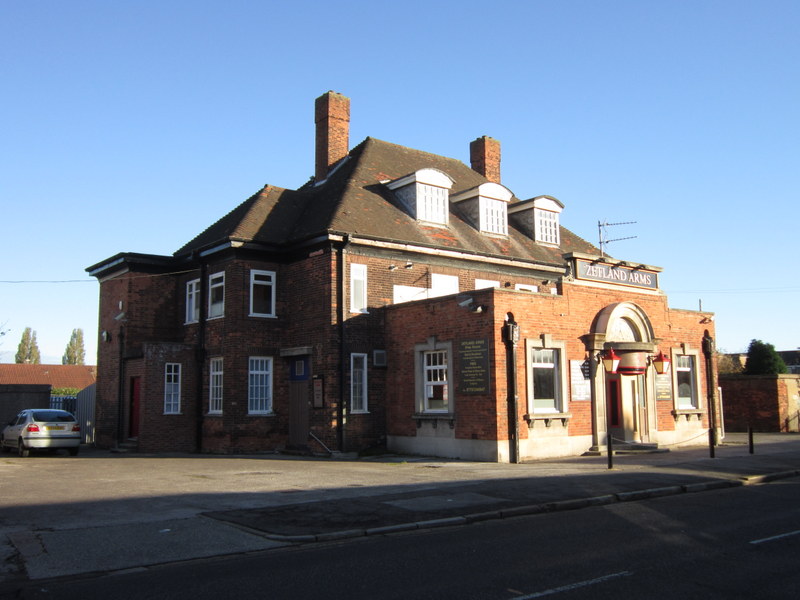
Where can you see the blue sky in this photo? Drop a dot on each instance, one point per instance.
(131, 126)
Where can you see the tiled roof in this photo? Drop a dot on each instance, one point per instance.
(353, 200)
(58, 376)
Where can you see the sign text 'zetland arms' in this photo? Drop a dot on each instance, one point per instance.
(617, 274)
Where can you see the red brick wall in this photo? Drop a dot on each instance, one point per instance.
(764, 402)
(567, 318)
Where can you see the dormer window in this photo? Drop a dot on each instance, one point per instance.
(486, 206)
(547, 226)
(425, 193)
(538, 218)
(494, 218)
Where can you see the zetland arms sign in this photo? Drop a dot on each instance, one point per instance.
(619, 274)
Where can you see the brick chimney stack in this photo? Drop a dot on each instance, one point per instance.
(332, 117)
(484, 157)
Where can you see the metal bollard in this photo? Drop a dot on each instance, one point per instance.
(750, 439)
(711, 442)
(610, 452)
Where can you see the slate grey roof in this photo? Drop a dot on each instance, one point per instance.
(353, 200)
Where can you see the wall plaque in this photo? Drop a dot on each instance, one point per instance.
(473, 366)
(579, 380)
(664, 387)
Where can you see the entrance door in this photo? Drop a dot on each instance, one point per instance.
(135, 400)
(299, 398)
(627, 408)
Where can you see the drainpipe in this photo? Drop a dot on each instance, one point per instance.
(121, 386)
(200, 358)
(511, 338)
(341, 416)
(708, 352)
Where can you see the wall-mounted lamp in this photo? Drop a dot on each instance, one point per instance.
(660, 362)
(479, 308)
(610, 361)
(409, 265)
(392, 267)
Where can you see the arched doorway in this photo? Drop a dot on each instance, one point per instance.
(624, 407)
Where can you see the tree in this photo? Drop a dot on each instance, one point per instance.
(28, 349)
(728, 364)
(75, 354)
(762, 359)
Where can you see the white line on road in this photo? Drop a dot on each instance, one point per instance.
(573, 586)
(775, 537)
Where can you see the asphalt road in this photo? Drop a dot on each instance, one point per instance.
(736, 543)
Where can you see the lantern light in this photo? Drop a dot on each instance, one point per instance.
(610, 361)
(661, 363)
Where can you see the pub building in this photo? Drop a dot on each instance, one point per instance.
(398, 299)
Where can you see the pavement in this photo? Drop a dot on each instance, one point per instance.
(104, 513)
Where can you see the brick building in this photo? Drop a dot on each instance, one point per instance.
(399, 297)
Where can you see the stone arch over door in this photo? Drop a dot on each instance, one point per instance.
(623, 322)
(624, 405)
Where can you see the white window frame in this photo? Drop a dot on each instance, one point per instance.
(358, 383)
(691, 402)
(559, 369)
(172, 389)
(259, 385)
(358, 288)
(215, 381)
(526, 287)
(432, 203)
(482, 284)
(425, 377)
(494, 216)
(192, 301)
(547, 226)
(262, 279)
(435, 368)
(216, 285)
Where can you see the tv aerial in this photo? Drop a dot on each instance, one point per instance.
(603, 234)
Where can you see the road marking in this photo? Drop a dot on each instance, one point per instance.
(775, 537)
(574, 586)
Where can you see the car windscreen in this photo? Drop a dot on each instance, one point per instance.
(52, 416)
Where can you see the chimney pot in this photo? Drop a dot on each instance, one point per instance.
(484, 156)
(332, 118)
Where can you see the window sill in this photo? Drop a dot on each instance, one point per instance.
(359, 412)
(434, 419)
(261, 414)
(548, 418)
(688, 413)
(262, 316)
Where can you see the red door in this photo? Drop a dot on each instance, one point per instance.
(133, 421)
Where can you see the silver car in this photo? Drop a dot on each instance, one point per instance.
(41, 429)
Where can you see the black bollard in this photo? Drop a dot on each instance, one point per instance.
(711, 442)
(610, 452)
(750, 439)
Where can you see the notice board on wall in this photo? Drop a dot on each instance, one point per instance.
(473, 366)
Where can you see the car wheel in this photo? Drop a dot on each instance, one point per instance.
(73, 451)
(23, 450)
